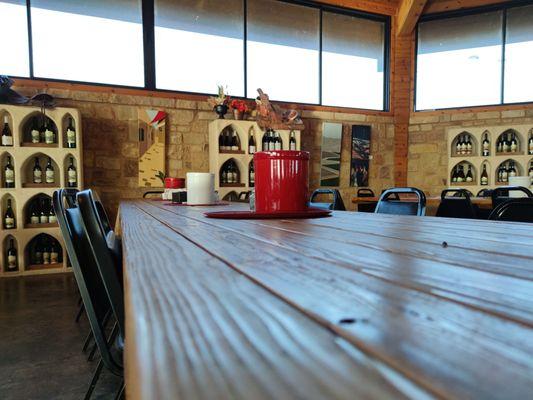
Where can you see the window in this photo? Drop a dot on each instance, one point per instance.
(93, 41)
(459, 61)
(199, 45)
(519, 55)
(283, 51)
(14, 25)
(353, 62)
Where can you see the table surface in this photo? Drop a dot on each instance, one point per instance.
(355, 305)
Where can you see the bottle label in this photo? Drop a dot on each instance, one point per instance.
(37, 176)
(277, 146)
(54, 257)
(50, 176)
(10, 176)
(48, 137)
(484, 180)
(7, 140)
(35, 136)
(46, 257)
(469, 179)
(72, 176)
(52, 219)
(234, 148)
(251, 149)
(271, 146)
(9, 222)
(11, 262)
(293, 146)
(513, 147)
(34, 220)
(71, 136)
(43, 219)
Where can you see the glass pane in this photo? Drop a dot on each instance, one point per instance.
(14, 25)
(93, 41)
(352, 62)
(199, 45)
(283, 44)
(519, 55)
(459, 61)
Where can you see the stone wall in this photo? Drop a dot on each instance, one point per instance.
(110, 147)
(428, 153)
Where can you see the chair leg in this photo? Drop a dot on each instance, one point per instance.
(96, 375)
(87, 342)
(80, 312)
(120, 393)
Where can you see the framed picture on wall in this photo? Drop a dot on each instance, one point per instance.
(330, 160)
(359, 166)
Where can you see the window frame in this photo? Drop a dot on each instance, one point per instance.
(149, 59)
(503, 7)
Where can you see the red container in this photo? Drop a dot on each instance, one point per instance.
(281, 181)
(174, 183)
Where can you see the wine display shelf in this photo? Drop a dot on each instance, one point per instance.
(242, 158)
(22, 156)
(493, 161)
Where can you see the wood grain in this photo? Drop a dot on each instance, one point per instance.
(453, 330)
(197, 329)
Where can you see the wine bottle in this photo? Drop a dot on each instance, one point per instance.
(234, 173)
(507, 143)
(9, 174)
(7, 136)
(34, 217)
(251, 176)
(72, 175)
(251, 142)
(499, 145)
(468, 145)
(9, 216)
(43, 217)
(463, 145)
(486, 145)
(35, 134)
(11, 257)
(224, 174)
(71, 134)
(504, 174)
(460, 174)
(292, 141)
(278, 144)
(54, 253)
(469, 176)
(50, 173)
(514, 144)
(234, 141)
(46, 253)
(271, 141)
(38, 254)
(264, 141)
(484, 176)
(37, 172)
(49, 133)
(221, 142)
(51, 214)
(458, 145)
(530, 144)
(454, 175)
(512, 170)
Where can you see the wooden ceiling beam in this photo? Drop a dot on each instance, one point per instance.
(408, 13)
(385, 7)
(436, 6)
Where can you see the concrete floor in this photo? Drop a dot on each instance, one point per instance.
(40, 344)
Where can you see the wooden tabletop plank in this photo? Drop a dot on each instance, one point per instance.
(197, 329)
(443, 345)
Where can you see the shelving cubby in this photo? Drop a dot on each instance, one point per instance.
(493, 160)
(22, 155)
(242, 158)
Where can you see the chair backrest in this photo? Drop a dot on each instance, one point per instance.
(365, 192)
(457, 206)
(156, 194)
(391, 202)
(501, 194)
(515, 210)
(105, 260)
(484, 193)
(231, 196)
(88, 278)
(335, 204)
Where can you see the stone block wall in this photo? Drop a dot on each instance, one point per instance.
(110, 141)
(428, 153)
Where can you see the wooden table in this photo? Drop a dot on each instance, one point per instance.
(352, 306)
(432, 203)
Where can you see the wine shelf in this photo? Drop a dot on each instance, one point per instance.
(22, 155)
(241, 157)
(494, 159)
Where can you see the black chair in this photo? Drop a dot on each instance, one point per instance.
(90, 283)
(231, 196)
(457, 206)
(244, 197)
(335, 204)
(369, 206)
(515, 210)
(501, 194)
(391, 202)
(155, 194)
(484, 193)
